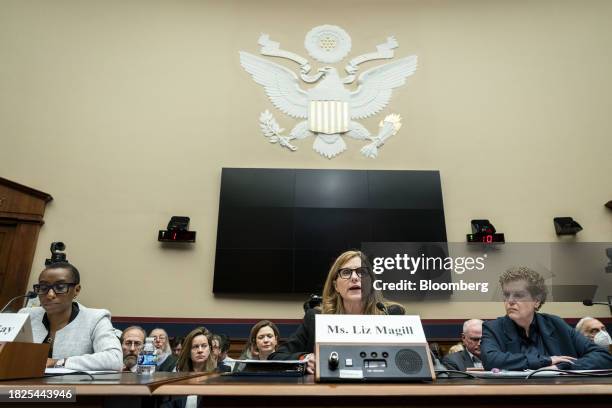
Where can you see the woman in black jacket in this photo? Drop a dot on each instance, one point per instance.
(347, 290)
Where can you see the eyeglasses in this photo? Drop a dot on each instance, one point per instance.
(346, 273)
(161, 337)
(130, 343)
(58, 288)
(521, 296)
(474, 339)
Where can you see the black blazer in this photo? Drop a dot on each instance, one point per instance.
(303, 340)
(459, 361)
(169, 364)
(501, 346)
(178, 402)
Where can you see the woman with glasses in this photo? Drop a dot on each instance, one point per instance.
(262, 342)
(80, 338)
(166, 361)
(347, 290)
(526, 339)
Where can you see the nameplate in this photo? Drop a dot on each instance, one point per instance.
(15, 327)
(372, 329)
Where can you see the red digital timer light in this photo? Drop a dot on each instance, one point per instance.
(484, 238)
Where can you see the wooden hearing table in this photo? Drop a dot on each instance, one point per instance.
(110, 390)
(129, 390)
(300, 392)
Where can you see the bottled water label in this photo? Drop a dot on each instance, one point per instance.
(147, 359)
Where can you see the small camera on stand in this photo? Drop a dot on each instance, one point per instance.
(57, 253)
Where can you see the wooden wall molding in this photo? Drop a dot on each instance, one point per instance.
(21, 215)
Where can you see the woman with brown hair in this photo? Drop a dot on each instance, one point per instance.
(196, 352)
(262, 342)
(347, 290)
(195, 356)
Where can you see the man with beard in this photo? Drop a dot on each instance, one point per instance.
(132, 341)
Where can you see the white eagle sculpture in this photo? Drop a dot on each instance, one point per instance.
(329, 108)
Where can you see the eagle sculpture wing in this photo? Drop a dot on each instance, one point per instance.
(376, 84)
(281, 84)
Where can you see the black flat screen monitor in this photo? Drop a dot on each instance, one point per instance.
(279, 230)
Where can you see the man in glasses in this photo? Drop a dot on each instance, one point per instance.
(80, 338)
(469, 357)
(132, 340)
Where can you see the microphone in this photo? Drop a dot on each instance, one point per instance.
(381, 306)
(29, 295)
(589, 302)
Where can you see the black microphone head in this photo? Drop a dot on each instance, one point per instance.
(31, 295)
(587, 302)
(381, 306)
(396, 310)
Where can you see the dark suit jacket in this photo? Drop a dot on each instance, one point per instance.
(501, 346)
(168, 364)
(303, 340)
(459, 361)
(178, 402)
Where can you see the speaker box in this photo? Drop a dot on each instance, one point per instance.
(374, 362)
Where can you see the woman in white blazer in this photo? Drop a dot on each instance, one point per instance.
(80, 338)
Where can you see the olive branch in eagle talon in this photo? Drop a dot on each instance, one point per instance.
(329, 110)
(271, 129)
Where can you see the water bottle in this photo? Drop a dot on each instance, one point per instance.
(147, 359)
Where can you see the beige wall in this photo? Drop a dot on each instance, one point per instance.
(126, 111)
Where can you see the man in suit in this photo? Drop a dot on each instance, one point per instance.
(469, 357)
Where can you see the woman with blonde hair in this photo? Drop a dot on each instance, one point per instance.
(347, 290)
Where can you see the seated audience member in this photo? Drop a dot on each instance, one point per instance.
(80, 338)
(166, 361)
(347, 290)
(196, 353)
(215, 342)
(469, 357)
(196, 356)
(176, 344)
(224, 362)
(595, 331)
(455, 348)
(262, 342)
(525, 339)
(132, 340)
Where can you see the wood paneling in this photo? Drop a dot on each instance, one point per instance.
(21, 216)
(7, 233)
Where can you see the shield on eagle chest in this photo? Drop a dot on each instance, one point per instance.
(328, 117)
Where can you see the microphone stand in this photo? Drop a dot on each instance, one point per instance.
(29, 295)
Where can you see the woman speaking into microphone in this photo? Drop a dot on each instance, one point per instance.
(347, 290)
